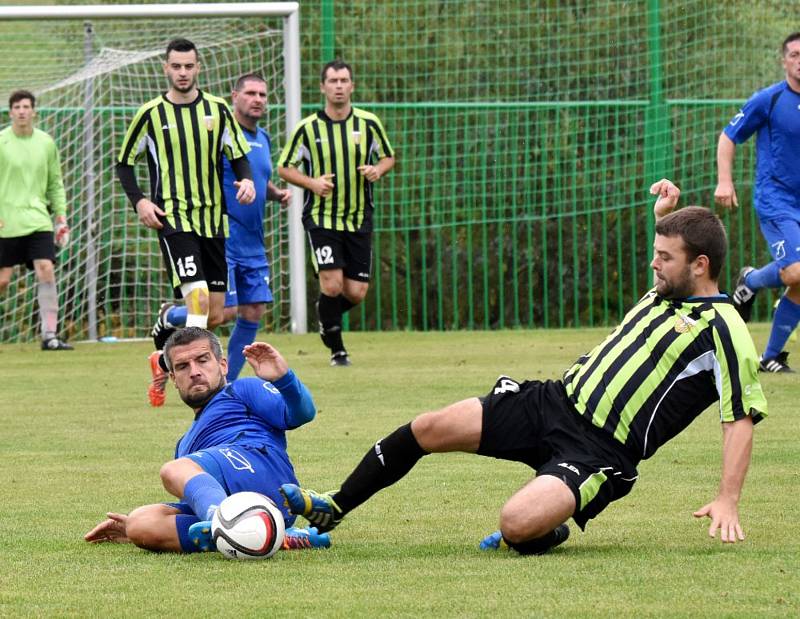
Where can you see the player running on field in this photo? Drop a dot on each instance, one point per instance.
(183, 135)
(249, 289)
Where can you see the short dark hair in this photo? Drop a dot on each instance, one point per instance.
(247, 77)
(792, 37)
(19, 95)
(703, 233)
(180, 45)
(336, 65)
(182, 337)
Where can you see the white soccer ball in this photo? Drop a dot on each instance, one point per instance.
(248, 525)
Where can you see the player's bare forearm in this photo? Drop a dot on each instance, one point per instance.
(726, 151)
(737, 446)
(295, 177)
(384, 165)
(723, 510)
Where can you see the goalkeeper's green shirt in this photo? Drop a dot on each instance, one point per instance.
(667, 362)
(31, 188)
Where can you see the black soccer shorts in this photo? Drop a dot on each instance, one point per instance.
(533, 423)
(25, 249)
(349, 251)
(193, 258)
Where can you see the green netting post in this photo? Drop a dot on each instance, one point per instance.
(328, 26)
(656, 138)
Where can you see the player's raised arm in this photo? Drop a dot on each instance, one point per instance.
(266, 361)
(668, 194)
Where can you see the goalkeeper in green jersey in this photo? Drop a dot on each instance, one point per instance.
(30, 190)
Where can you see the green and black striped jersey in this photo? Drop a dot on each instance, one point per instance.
(183, 144)
(325, 146)
(662, 366)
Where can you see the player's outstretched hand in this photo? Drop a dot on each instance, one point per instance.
(245, 191)
(725, 517)
(266, 361)
(149, 214)
(725, 195)
(110, 530)
(668, 194)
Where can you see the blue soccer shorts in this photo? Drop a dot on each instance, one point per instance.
(247, 284)
(783, 238)
(248, 468)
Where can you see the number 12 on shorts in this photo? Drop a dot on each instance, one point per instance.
(324, 254)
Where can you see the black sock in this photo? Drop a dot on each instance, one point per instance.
(345, 304)
(540, 545)
(385, 463)
(330, 320)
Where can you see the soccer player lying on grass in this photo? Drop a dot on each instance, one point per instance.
(236, 443)
(680, 349)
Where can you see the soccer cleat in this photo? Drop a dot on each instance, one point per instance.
(494, 541)
(162, 329)
(319, 509)
(299, 539)
(200, 534)
(156, 391)
(743, 296)
(776, 364)
(340, 359)
(54, 343)
(556, 537)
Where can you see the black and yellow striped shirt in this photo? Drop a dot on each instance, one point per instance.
(339, 147)
(662, 366)
(183, 144)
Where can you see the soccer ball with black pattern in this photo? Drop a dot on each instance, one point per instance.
(248, 525)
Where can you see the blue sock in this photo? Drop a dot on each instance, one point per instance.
(182, 524)
(787, 315)
(244, 333)
(768, 276)
(204, 494)
(176, 316)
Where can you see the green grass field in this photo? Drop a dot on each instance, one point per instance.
(77, 439)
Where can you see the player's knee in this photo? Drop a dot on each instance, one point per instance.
(142, 530)
(215, 318)
(790, 276)
(517, 525)
(170, 474)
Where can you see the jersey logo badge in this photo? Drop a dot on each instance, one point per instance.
(683, 324)
(356, 136)
(737, 118)
(210, 123)
(780, 249)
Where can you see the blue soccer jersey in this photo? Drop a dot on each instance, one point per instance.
(250, 411)
(774, 113)
(245, 242)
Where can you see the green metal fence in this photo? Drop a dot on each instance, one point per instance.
(527, 135)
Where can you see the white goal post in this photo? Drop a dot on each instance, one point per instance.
(94, 145)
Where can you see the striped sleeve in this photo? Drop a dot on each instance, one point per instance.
(135, 140)
(292, 155)
(380, 141)
(740, 392)
(233, 141)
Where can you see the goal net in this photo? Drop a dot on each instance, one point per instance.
(89, 77)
